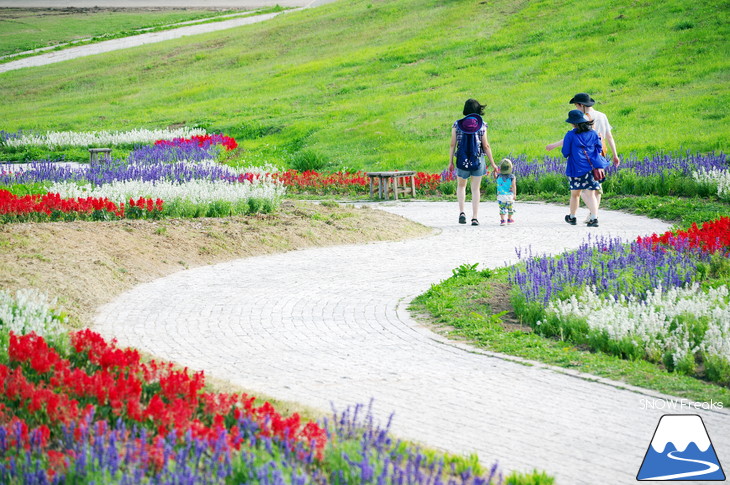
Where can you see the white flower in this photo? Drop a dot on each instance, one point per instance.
(718, 177)
(196, 191)
(71, 138)
(652, 320)
(28, 311)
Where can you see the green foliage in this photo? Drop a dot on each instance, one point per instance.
(717, 369)
(683, 211)
(448, 187)
(464, 304)
(219, 208)
(377, 85)
(532, 478)
(308, 160)
(554, 183)
(26, 189)
(67, 154)
(466, 270)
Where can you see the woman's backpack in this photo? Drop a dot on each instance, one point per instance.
(467, 150)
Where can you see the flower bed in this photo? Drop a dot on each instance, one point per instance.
(638, 300)
(147, 419)
(55, 139)
(54, 207)
(345, 183)
(202, 141)
(182, 172)
(75, 408)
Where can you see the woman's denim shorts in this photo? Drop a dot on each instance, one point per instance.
(477, 172)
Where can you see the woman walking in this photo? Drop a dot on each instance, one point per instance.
(582, 148)
(469, 144)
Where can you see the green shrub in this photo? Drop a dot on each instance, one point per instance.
(448, 187)
(717, 369)
(533, 478)
(552, 183)
(308, 160)
(219, 208)
(184, 208)
(254, 205)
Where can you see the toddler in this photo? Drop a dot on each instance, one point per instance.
(506, 191)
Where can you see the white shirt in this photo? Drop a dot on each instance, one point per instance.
(600, 123)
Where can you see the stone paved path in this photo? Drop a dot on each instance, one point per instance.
(331, 325)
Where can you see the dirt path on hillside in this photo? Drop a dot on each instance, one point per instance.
(171, 4)
(152, 37)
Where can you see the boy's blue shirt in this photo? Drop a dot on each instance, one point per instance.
(573, 146)
(504, 184)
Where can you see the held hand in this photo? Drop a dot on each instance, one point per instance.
(616, 160)
(550, 147)
(451, 166)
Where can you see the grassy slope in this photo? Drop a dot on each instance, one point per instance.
(377, 84)
(22, 30)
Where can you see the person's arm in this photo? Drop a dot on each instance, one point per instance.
(451, 150)
(554, 145)
(566, 144)
(488, 150)
(612, 143)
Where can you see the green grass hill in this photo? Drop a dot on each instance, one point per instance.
(376, 84)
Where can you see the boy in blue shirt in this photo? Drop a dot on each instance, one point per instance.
(506, 191)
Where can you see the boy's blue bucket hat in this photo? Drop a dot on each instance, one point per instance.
(576, 116)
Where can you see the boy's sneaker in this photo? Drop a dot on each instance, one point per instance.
(510, 221)
(502, 223)
(592, 223)
(462, 218)
(571, 220)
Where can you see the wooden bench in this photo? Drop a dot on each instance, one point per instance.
(396, 182)
(98, 154)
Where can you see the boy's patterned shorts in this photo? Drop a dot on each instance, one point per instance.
(506, 207)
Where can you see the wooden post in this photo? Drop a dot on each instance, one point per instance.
(413, 185)
(98, 154)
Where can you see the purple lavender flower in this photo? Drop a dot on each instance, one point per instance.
(613, 267)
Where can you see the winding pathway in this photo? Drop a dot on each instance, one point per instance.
(330, 325)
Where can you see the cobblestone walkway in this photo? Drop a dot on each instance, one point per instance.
(331, 325)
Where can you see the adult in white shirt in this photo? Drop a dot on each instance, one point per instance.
(584, 102)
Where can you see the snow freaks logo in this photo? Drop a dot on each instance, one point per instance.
(681, 450)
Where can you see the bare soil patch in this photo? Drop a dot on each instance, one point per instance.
(499, 301)
(86, 264)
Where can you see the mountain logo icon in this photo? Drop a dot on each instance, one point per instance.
(681, 450)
